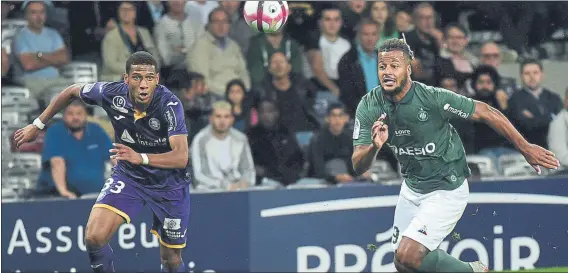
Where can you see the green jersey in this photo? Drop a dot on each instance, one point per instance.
(428, 148)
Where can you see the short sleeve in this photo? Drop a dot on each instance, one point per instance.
(57, 41)
(174, 116)
(92, 93)
(52, 146)
(454, 106)
(313, 41)
(363, 125)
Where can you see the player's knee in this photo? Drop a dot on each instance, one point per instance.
(407, 260)
(95, 239)
(171, 258)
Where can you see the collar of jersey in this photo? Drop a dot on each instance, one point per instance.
(407, 98)
(137, 114)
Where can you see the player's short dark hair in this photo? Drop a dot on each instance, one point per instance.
(397, 44)
(335, 106)
(528, 61)
(455, 25)
(140, 58)
(485, 70)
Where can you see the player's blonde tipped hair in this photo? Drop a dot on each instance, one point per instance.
(222, 105)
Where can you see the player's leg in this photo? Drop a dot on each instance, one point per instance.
(405, 210)
(116, 204)
(437, 216)
(171, 219)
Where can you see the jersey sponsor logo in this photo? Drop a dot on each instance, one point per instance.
(154, 123)
(118, 104)
(412, 151)
(171, 119)
(403, 132)
(119, 117)
(147, 142)
(455, 111)
(126, 137)
(422, 115)
(88, 87)
(172, 103)
(172, 223)
(356, 129)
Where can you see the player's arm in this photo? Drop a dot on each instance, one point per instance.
(366, 141)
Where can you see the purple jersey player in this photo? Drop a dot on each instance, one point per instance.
(152, 155)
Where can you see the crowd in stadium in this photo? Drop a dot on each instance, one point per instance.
(269, 109)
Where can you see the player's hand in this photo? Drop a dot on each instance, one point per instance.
(123, 152)
(26, 134)
(538, 156)
(380, 132)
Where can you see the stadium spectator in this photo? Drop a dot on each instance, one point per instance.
(200, 10)
(276, 152)
(352, 12)
(239, 31)
(242, 104)
(196, 99)
(175, 36)
(74, 155)
(403, 21)
(124, 40)
(217, 56)
(263, 46)
(89, 28)
(40, 51)
(455, 58)
(382, 13)
(150, 12)
(425, 41)
(5, 63)
(358, 67)
(491, 55)
(331, 148)
(485, 82)
(533, 107)
(221, 155)
(326, 48)
(558, 134)
(293, 94)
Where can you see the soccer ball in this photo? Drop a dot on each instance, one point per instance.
(266, 16)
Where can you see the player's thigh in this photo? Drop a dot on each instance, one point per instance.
(117, 203)
(437, 216)
(404, 212)
(171, 217)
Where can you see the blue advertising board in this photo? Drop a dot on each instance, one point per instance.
(507, 225)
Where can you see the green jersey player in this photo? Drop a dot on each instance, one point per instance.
(413, 120)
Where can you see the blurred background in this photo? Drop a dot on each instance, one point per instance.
(292, 95)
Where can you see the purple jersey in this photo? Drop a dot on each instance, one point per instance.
(147, 133)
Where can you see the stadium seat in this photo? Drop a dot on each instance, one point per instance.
(484, 163)
(323, 100)
(80, 72)
(15, 91)
(27, 163)
(512, 159)
(11, 119)
(11, 27)
(381, 171)
(519, 171)
(18, 104)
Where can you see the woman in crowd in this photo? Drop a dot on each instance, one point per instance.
(236, 95)
(382, 13)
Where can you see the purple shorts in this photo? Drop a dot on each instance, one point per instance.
(170, 208)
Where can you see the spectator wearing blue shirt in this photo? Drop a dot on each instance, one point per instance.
(74, 155)
(358, 67)
(39, 50)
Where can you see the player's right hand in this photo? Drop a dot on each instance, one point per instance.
(26, 134)
(380, 132)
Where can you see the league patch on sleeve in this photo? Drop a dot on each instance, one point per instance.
(87, 87)
(356, 129)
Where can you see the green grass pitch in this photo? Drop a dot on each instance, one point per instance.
(553, 269)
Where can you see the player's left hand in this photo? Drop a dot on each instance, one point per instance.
(538, 156)
(123, 152)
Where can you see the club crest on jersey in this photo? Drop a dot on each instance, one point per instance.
(118, 104)
(154, 123)
(422, 115)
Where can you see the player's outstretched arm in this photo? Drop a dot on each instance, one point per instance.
(534, 154)
(175, 159)
(30, 132)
